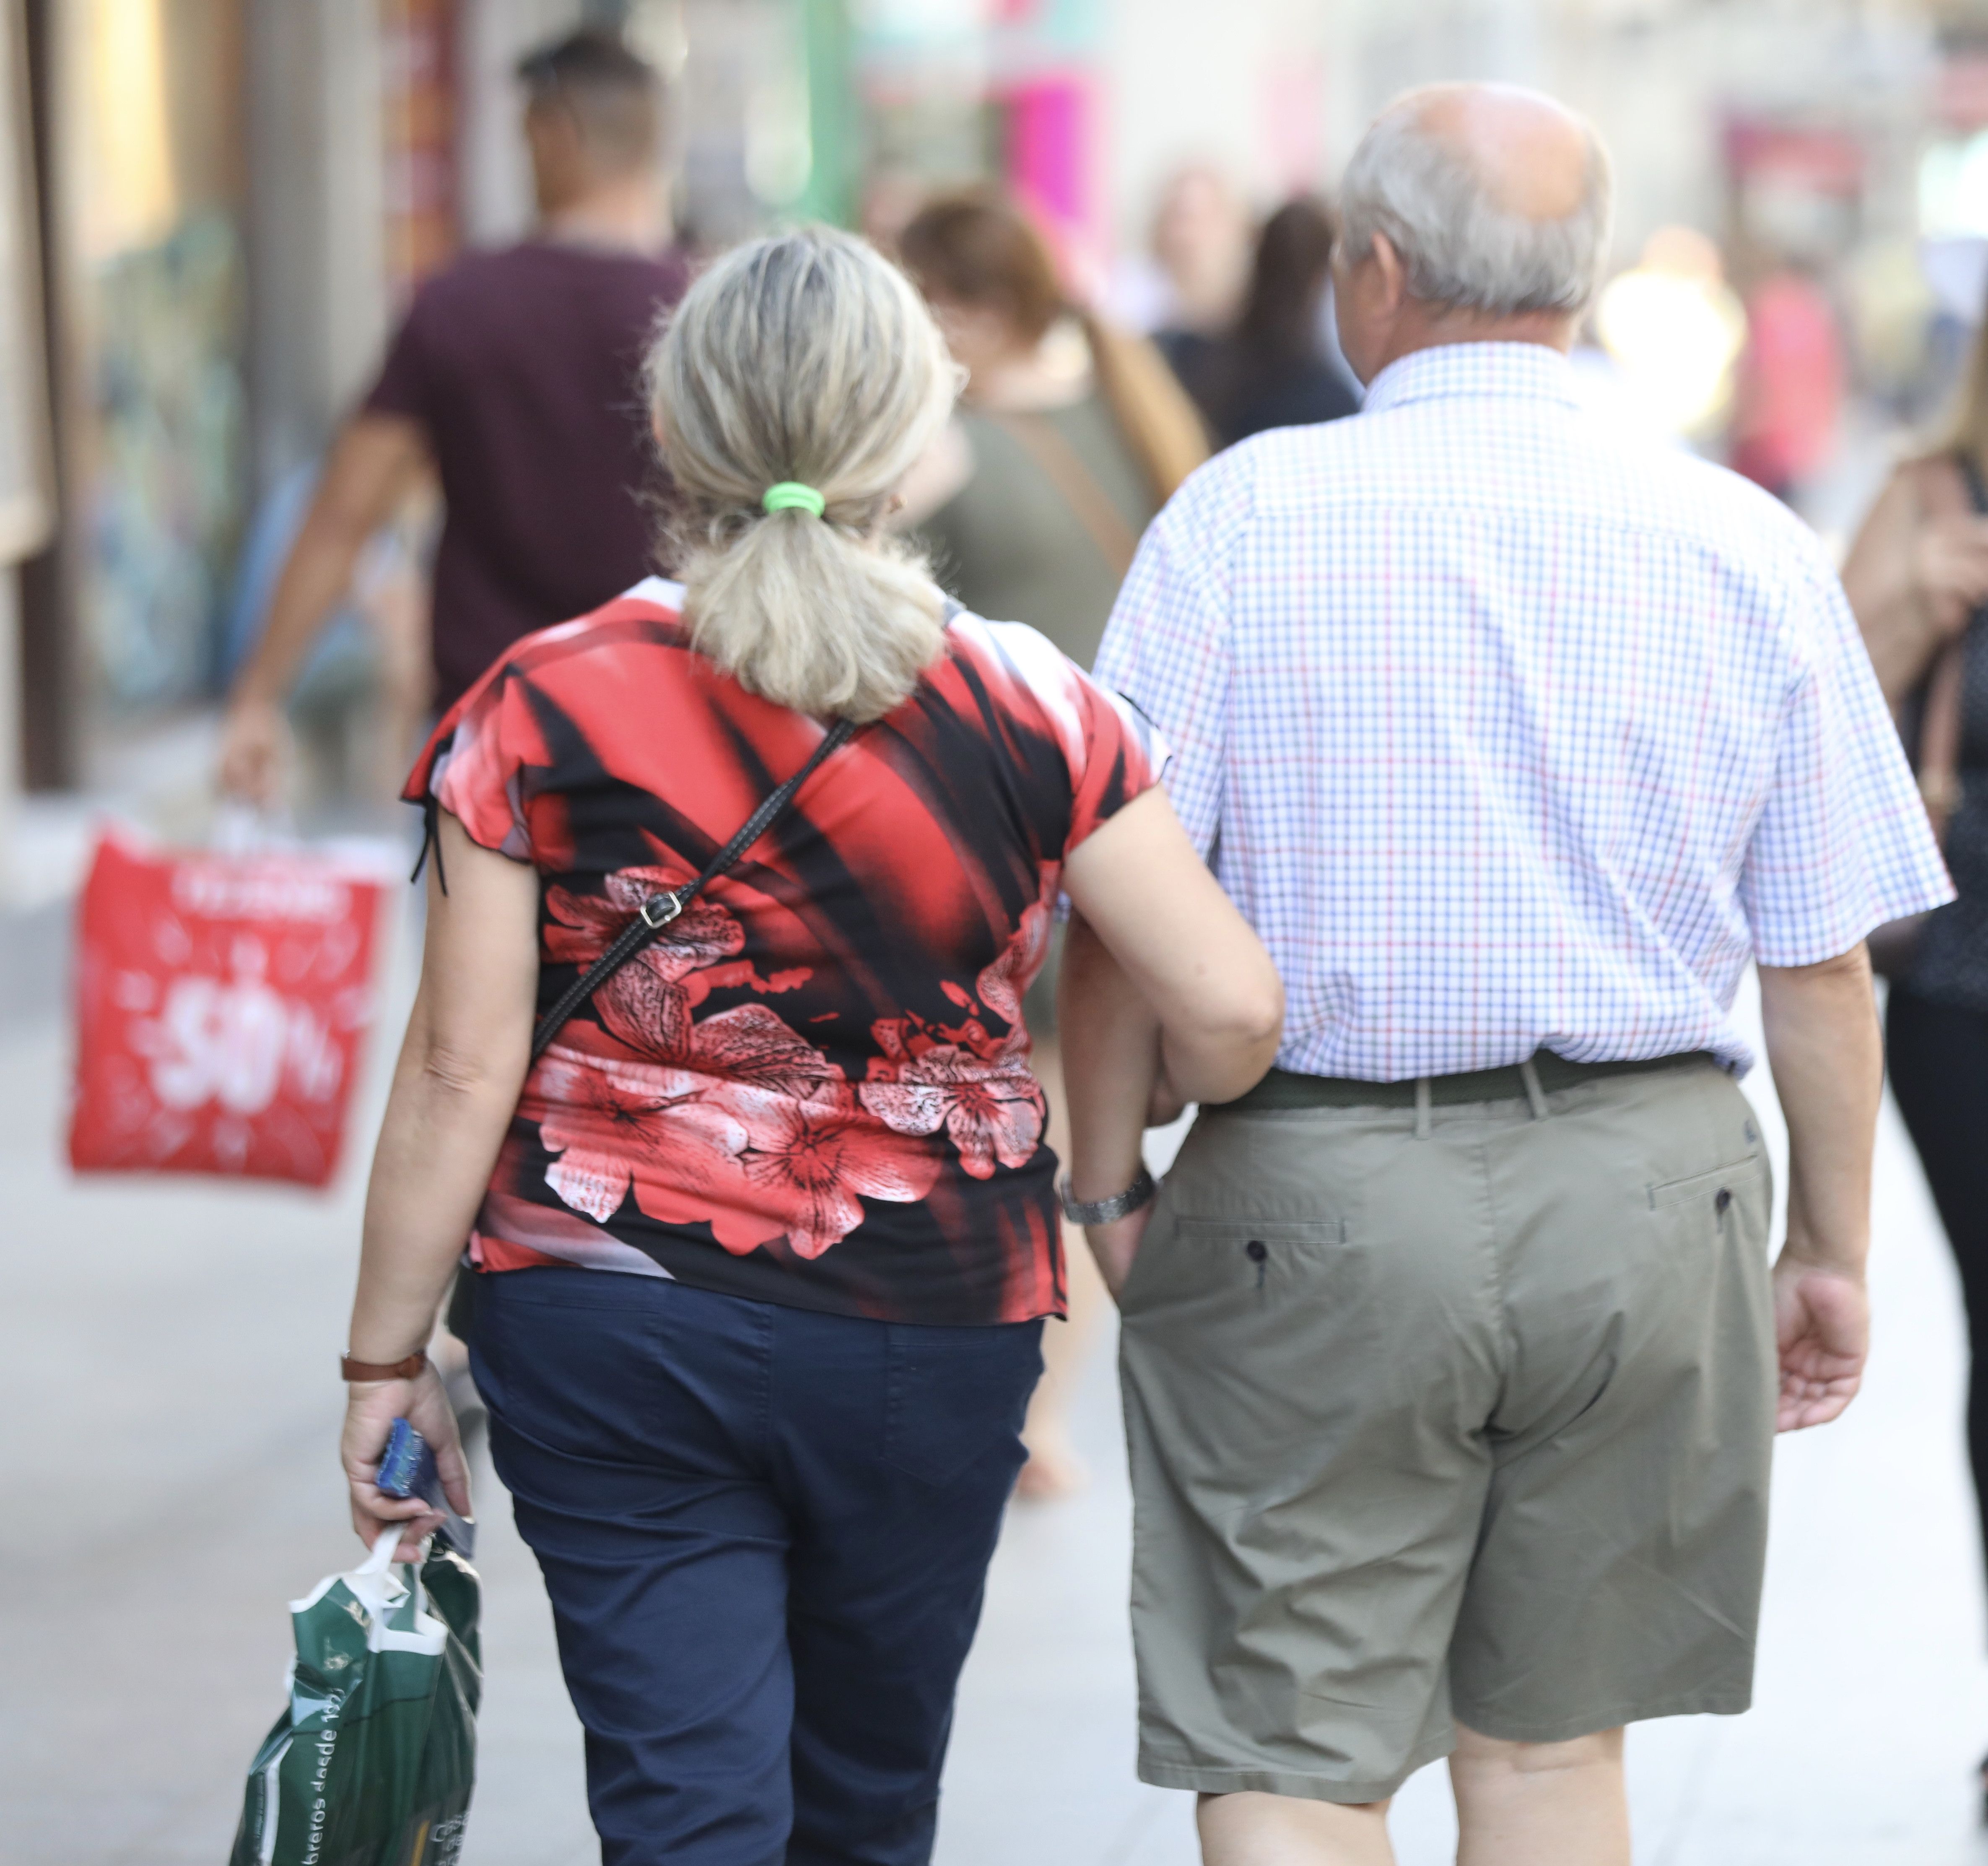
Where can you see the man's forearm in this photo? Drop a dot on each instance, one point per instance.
(1110, 1041)
(1827, 1059)
(317, 575)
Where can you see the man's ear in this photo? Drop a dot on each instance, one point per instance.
(1392, 274)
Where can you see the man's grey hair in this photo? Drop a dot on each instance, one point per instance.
(1460, 247)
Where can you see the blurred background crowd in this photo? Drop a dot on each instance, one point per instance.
(212, 212)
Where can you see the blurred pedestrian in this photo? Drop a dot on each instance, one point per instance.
(1271, 370)
(1788, 398)
(1189, 275)
(1070, 436)
(513, 377)
(766, 1234)
(1204, 234)
(1450, 1351)
(1917, 578)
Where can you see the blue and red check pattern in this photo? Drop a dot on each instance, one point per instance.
(1508, 734)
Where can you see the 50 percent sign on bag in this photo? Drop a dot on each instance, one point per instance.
(220, 1005)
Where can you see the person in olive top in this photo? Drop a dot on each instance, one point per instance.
(514, 377)
(1070, 437)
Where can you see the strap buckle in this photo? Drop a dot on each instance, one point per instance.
(658, 910)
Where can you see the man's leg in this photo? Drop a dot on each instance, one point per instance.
(1251, 1830)
(1521, 1804)
(1306, 1351)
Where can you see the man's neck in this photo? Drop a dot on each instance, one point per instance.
(626, 217)
(1434, 328)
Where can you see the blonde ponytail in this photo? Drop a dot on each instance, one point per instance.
(805, 357)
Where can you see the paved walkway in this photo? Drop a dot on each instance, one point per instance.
(166, 1357)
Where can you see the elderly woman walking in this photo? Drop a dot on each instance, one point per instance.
(764, 1224)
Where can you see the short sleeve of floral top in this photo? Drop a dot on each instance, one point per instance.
(814, 1088)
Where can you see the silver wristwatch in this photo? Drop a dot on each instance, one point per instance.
(1107, 1211)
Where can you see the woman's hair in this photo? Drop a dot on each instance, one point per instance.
(1965, 431)
(978, 249)
(803, 357)
(1287, 283)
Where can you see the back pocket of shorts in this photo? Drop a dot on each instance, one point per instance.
(1718, 1183)
(1259, 1263)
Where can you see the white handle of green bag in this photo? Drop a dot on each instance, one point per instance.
(384, 1546)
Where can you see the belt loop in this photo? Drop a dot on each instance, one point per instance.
(1529, 1073)
(1425, 1100)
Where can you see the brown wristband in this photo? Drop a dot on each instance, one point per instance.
(351, 1369)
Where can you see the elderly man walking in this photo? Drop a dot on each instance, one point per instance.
(1450, 1351)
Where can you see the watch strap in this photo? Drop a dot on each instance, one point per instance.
(407, 1370)
(1108, 1211)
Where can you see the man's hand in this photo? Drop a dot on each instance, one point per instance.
(254, 738)
(1822, 1325)
(1829, 1070)
(1115, 1245)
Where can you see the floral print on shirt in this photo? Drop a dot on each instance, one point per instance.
(813, 1088)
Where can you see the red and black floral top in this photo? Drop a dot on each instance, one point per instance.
(814, 1088)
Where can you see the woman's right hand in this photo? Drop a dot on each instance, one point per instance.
(1950, 569)
(371, 1408)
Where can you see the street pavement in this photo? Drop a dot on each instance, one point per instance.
(166, 1353)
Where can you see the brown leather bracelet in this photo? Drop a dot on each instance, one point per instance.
(351, 1369)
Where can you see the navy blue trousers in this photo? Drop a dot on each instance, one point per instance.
(765, 1534)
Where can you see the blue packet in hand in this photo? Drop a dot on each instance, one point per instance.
(407, 1469)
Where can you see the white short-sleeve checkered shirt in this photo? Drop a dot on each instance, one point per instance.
(1509, 732)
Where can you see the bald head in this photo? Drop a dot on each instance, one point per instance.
(1531, 155)
(1496, 199)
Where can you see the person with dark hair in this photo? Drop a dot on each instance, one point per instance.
(1270, 369)
(1273, 371)
(514, 377)
(1917, 578)
(1071, 435)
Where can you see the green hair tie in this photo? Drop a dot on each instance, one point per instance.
(791, 496)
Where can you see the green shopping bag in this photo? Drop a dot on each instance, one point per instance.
(372, 1762)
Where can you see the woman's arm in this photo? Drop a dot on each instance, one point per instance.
(455, 1089)
(1103, 1020)
(1914, 576)
(1193, 959)
(1167, 995)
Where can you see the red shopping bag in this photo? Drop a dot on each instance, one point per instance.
(221, 1002)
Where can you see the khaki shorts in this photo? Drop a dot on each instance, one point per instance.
(1474, 1426)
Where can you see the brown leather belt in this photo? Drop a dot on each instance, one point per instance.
(1281, 1090)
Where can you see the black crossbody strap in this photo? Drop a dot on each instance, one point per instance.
(658, 910)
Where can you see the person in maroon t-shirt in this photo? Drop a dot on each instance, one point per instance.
(514, 378)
